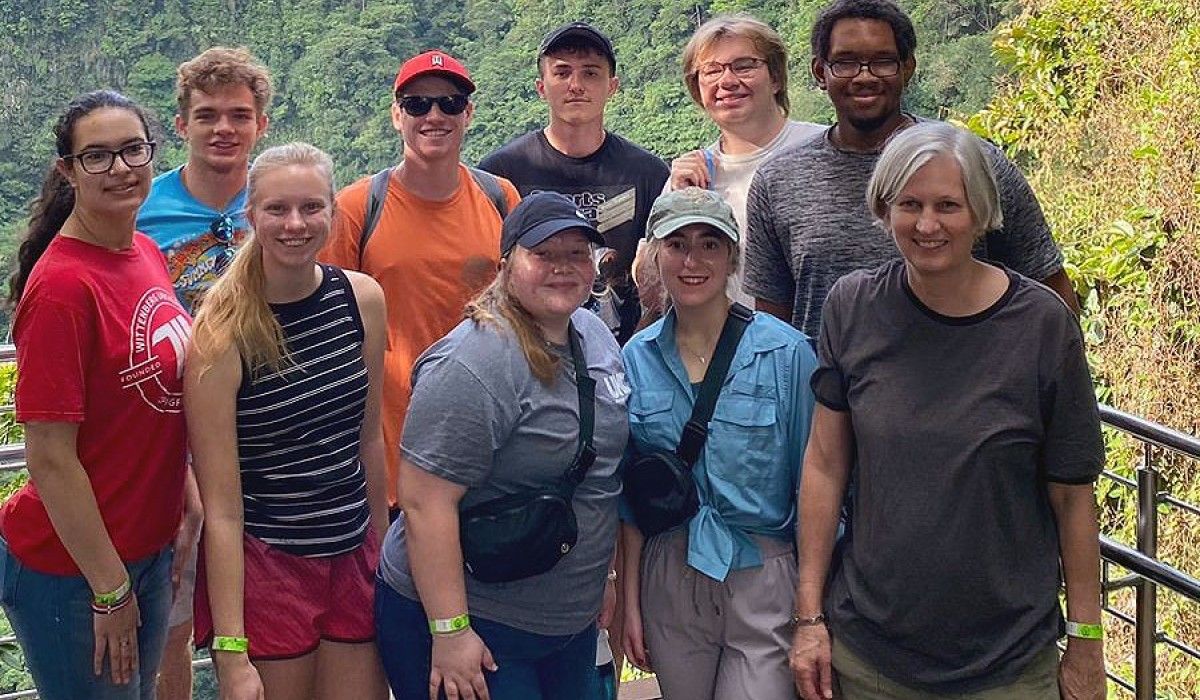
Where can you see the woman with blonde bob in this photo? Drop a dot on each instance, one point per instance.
(735, 69)
(497, 415)
(960, 393)
(282, 398)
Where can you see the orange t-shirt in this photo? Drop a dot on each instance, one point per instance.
(430, 258)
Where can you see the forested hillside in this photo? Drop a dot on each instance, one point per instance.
(334, 60)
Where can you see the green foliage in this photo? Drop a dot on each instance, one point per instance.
(333, 63)
(1102, 110)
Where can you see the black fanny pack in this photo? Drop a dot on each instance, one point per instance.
(525, 534)
(658, 485)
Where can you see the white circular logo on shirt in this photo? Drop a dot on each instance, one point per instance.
(158, 339)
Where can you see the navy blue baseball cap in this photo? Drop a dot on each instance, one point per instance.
(540, 216)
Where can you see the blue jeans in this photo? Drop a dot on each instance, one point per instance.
(52, 618)
(532, 666)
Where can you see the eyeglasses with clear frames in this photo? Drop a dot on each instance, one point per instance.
(743, 67)
(98, 161)
(879, 67)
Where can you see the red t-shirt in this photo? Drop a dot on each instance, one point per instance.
(101, 341)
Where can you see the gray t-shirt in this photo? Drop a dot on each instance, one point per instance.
(479, 418)
(809, 225)
(950, 568)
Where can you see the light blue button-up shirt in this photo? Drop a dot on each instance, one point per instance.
(749, 470)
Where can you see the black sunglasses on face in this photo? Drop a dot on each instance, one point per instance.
(419, 105)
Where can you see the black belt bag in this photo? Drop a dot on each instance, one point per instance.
(658, 485)
(525, 534)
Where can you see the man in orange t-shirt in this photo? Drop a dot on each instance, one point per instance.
(437, 240)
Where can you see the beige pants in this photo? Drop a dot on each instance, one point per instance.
(856, 679)
(718, 640)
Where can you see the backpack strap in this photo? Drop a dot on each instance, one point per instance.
(491, 187)
(378, 193)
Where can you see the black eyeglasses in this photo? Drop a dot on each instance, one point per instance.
(222, 228)
(880, 68)
(743, 67)
(97, 161)
(419, 105)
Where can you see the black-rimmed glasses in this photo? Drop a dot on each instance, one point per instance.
(880, 68)
(711, 71)
(419, 105)
(97, 161)
(222, 228)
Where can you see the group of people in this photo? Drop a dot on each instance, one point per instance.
(806, 412)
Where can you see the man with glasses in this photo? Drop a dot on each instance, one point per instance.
(735, 68)
(427, 229)
(195, 213)
(612, 180)
(806, 209)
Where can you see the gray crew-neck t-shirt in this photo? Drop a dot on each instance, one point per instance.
(479, 418)
(809, 225)
(950, 570)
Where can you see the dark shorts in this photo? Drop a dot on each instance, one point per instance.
(292, 603)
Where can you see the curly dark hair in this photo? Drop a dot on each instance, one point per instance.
(883, 10)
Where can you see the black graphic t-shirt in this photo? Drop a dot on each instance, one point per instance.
(614, 187)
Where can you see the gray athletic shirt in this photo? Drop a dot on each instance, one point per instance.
(479, 418)
(949, 576)
(809, 225)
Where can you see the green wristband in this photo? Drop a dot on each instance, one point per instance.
(107, 600)
(1083, 630)
(450, 625)
(234, 645)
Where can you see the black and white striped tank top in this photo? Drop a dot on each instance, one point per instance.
(303, 488)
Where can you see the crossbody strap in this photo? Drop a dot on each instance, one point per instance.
(585, 453)
(695, 431)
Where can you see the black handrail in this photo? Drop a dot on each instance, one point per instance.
(1150, 569)
(1151, 432)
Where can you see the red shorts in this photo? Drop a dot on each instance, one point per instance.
(292, 603)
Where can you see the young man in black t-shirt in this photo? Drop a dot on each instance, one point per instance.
(612, 180)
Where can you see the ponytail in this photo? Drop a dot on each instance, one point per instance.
(47, 214)
(234, 311)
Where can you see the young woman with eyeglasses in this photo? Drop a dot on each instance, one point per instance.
(735, 69)
(100, 348)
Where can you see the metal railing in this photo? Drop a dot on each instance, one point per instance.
(1146, 573)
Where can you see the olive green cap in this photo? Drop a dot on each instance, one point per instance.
(690, 205)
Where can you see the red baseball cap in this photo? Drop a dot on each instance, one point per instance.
(434, 63)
